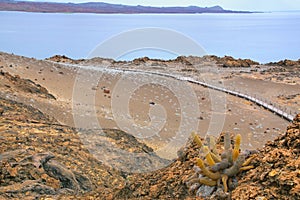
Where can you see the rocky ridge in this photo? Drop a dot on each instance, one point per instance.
(277, 169)
(16, 83)
(40, 158)
(275, 174)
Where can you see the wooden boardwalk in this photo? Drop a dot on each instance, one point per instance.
(265, 105)
(257, 101)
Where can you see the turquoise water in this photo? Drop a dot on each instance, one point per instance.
(263, 37)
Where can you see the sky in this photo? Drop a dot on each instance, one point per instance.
(251, 5)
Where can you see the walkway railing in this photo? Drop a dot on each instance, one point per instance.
(264, 104)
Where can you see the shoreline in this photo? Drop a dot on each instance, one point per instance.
(101, 7)
(162, 13)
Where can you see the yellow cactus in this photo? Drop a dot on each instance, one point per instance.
(197, 139)
(208, 156)
(248, 161)
(219, 169)
(207, 181)
(215, 157)
(245, 168)
(224, 181)
(206, 172)
(236, 150)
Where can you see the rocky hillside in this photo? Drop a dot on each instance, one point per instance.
(40, 158)
(275, 175)
(10, 84)
(277, 169)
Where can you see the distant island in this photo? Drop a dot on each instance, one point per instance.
(104, 8)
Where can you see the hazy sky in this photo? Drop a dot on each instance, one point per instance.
(259, 5)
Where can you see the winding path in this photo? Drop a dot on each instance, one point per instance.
(265, 105)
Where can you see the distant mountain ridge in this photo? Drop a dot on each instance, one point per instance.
(101, 7)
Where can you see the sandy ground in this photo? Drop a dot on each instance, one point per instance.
(154, 110)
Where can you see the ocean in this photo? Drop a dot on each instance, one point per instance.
(263, 37)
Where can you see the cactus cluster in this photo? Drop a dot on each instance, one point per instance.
(215, 171)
